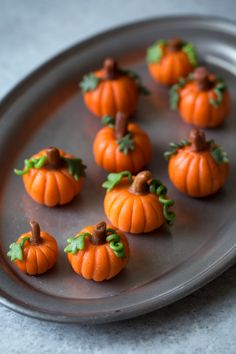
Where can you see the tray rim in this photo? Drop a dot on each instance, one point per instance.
(199, 280)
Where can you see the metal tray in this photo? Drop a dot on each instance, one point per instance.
(47, 109)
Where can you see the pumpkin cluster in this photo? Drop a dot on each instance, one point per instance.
(96, 253)
(134, 201)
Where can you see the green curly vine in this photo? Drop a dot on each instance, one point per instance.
(115, 243)
(157, 187)
(31, 163)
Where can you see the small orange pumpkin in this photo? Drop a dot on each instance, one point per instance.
(136, 204)
(121, 145)
(111, 90)
(196, 167)
(202, 99)
(98, 252)
(52, 177)
(34, 252)
(168, 61)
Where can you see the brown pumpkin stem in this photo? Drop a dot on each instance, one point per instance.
(175, 44)
(198, 140)
(140, 183)
(35, 238)
(121, 125)
(54, 157)
(110, 67)
(99, 233)
(202, 77)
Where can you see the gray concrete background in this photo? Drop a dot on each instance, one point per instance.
(31, 32)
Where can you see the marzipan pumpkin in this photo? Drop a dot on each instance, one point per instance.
(197, 167)
(121, 145)
(98, 252)
(34, 252)
(111, 90)
(168, 61)
(202, 99)
(52, 177)
(136, 204)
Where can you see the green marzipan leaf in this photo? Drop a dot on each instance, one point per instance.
(76, 243)
(218, 154)
(190, 51)
(31, 163)
(134, 76)
(174, 93)
(157, 187)
(219, 89)
(155, 52)
(126, 144)
(75, 166)
(89, 82)
(109, 121)
(113, 179)
(174, 147)
(16, 249)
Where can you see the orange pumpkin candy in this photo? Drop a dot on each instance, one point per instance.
(202, 99)
(122, 146)
(34, 252)
(111, 90)
(98, 252)
(136, 204)
(196, 167)
(52, 177)
(168, 61)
